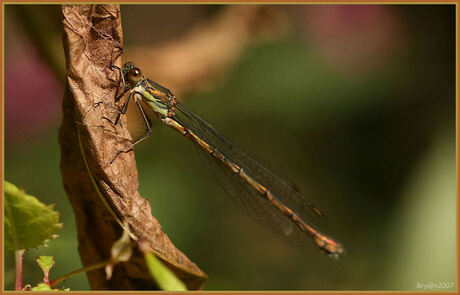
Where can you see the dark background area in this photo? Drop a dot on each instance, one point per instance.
(354, 103)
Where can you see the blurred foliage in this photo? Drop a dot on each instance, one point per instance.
(163, 276)
(369, 138)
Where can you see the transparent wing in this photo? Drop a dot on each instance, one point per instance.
(244, 194)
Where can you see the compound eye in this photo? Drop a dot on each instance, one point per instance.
(134, 74)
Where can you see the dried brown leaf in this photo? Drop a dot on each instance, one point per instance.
(91, 36)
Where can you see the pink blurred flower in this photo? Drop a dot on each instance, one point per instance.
(32, 93)
(357, 39)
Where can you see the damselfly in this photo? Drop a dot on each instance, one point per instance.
(270, 199)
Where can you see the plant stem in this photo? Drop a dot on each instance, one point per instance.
(78, 271)
(18, 258)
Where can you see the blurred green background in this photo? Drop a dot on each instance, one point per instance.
(355, 104)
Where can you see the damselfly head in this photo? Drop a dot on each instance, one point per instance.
(132, 73)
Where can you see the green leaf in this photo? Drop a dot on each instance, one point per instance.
(45, 287)
(163, 276)
(46, 263)
(28, 222)
(42, 287)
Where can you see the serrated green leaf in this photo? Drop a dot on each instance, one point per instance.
(163, 276)
(46, 263)
(28, 222)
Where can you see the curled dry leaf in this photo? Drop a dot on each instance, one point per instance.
(92, 35)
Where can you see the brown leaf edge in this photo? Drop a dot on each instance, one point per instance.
(92, 34)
